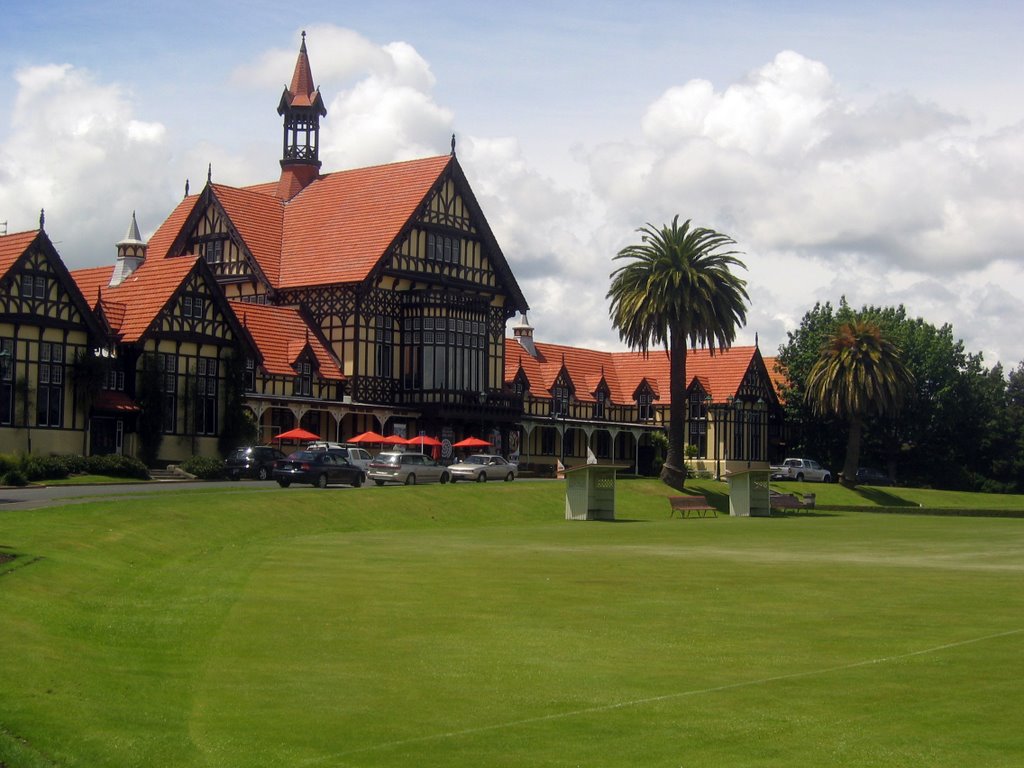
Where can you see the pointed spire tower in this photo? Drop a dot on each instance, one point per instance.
(302, 107)
(131, 252)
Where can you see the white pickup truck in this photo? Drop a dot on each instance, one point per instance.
(801, 469)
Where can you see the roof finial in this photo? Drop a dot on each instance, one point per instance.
(755, 339)
(453, 145)
(42, 217)
(209, 173)
(186, 187)
(303, 47)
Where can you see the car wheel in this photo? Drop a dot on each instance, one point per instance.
(482, 477)
(827, 479)
(454, 478)
(445, 477)
(800, 477)
(358, 481)
(321, 481)
(509, 477)
(284, 483)
(379, 482)
(262, 474)
(410, 479)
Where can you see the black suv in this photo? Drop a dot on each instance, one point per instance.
(252, 461)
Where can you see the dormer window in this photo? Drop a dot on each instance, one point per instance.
(304, 380)
(560, 402)
(600, 397)
(645, 406)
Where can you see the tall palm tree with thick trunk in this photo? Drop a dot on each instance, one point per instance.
(677, 289)
(859, 373)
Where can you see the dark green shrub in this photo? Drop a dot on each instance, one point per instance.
(204, 467)
(13, 477)
(116, 466)
(45, 467)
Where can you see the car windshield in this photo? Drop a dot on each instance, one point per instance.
(302, 456)
(475, 460)
(390, 458)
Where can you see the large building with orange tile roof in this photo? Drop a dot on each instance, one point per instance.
(369, 299)
(583, 403)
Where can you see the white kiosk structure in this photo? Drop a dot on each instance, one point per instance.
(590, 492)
(749, 494)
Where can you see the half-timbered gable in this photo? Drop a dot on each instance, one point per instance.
(46, 331)
(172, 314)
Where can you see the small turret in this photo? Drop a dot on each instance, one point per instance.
(131, 252)
(302, 107)
(523, 333)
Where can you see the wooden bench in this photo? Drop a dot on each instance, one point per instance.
(684, 505)
(787, 501)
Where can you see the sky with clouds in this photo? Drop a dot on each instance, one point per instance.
(874, 151)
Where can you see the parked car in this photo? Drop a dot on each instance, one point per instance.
(871, 476)
(319, 468)
(801, 469)
(251, 461)
(482, 467)
(408, 468)
(358, 456)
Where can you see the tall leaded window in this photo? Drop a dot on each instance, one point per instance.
(250, 375)
(600, 398)
(50, 389)
(213, 251)
(7, 381)
(169, 387)
(697, 418)
(304, 379)
(755, 453)
(739, 433)
(445, 353)
(206, 396)
(385, 338)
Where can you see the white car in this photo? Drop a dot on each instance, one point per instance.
(800, 470)
(481, 467)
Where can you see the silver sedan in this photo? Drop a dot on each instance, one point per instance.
(482, 467)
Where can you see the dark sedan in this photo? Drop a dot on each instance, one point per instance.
(251, 461)
(319, 468)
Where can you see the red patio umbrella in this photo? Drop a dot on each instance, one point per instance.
(422, 440)
(471, 442)
(393, 440)
(297, 434)
(367, 437)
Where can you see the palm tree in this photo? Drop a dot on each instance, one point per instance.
(859, 373)
(676, 289)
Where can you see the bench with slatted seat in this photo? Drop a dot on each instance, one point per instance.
(784, 501)
(684, 505)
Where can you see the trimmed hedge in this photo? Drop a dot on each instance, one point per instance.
(204, 467)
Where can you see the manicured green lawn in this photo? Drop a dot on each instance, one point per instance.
(473, 626)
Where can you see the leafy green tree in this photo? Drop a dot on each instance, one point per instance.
(677, 288)
(859, 373)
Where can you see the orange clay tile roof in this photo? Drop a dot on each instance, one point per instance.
(281, 334)
(720, 375)
(334, 231)
(160, 243)
(13, 246)
(259, 219)
(339, 227)
(142, 295)
(778, 376)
